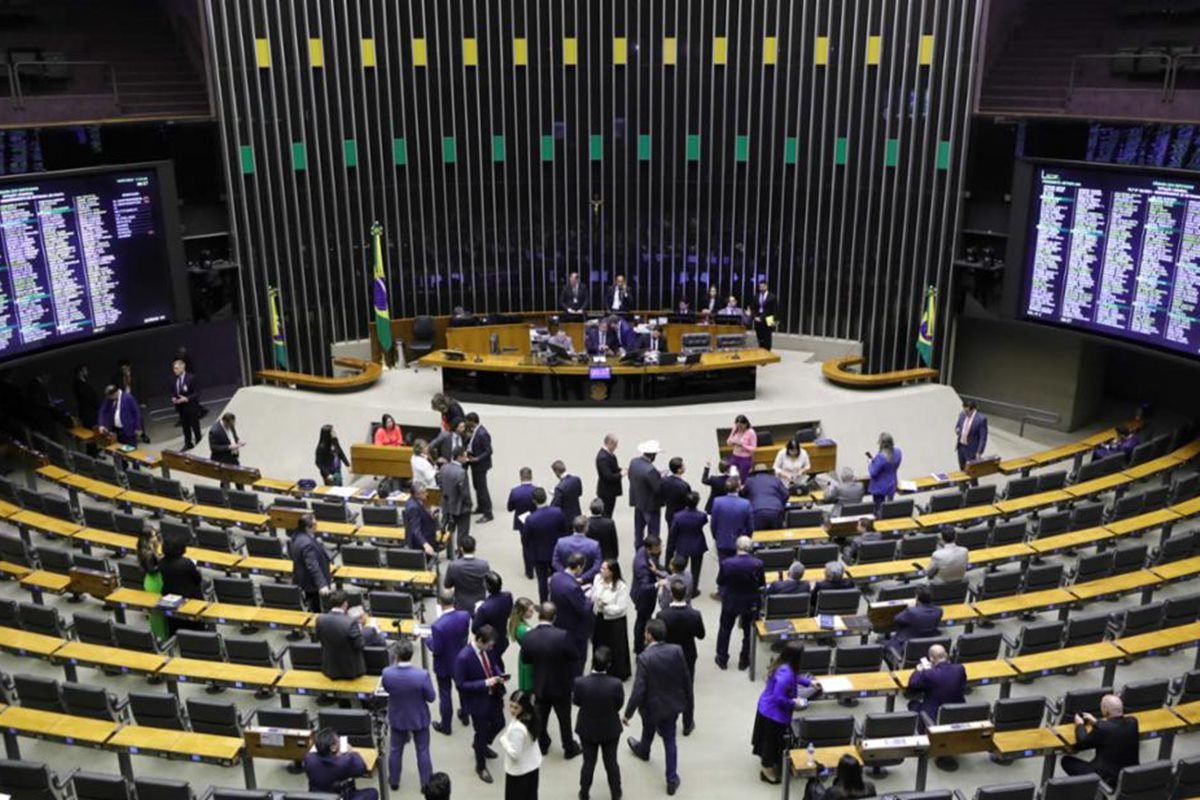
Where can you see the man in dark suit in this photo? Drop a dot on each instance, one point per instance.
(120, 415)
(341, 640)
(731, 518)
(608, 475)
(574, 297)
(465, 575)
(602, 340)
(520, 502)
(684, 626)
(918, 621)
(764, 315)
(447, 637)
(598, 723)
(662, 690)
(567, 492)
(970, 433)
(644, 484)
(643, 592)
(794, 583)
(456, 496)
(185, 396)
(617, 298)
(939, 680)
(835, 578)
(420, 525)
(716, 483)
(574, 609)
(685, 537)
(552, 654)
(223, 442)
(87, 402)
(740, 581)
(495, 611)
(653, 340)
(479, 675)
(768, 498)
(673, 490)
(602, 530)
(331, 771)
(409, 691)
(479, 460)
(578, 542)
(310, 562)
(1114, 738)
(543, 528)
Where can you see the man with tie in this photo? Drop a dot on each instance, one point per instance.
(223, 442)
(673, 490)
(732, 517)
(684, 626)
(567, 492)
(543, 528)
(740, 581)
(465, 575)
(341, 640)
(685, 537)
(552, 654)
(573, 299)
(608, 474)
(647, 572)
(618, 298)
(661, 692)
(599, 697)
(970, 433)
(420, 524)
(653, 341)
(185, 396)
(644, 485)
(764, 316)
(409, 692)
(520, 502)
(479, 460)
(574, 610)
(578, 542)
(495, 611)
(603, 339)
(456, 496)
(447, 637)
(479, 675)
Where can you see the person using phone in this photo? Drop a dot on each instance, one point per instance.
(480, 677)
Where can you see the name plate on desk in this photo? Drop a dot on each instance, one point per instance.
(960, 737)
(893, 747)
(845, 526)
(883, 613)
(284, 744)
(988, 465)
(285, 517)
(93, 582)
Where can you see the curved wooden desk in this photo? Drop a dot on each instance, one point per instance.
(367, 373)
(835, 371)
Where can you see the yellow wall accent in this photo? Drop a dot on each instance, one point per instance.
(821, 51)
(926, 55)
(670, 51)
(620, 50)
(368, 52)
(874, 50)
(420, 54)
(770, 50)
(470, 53)
(570, 52)
(720, 50)
(521, 52)
(262, 53)
(316, 54)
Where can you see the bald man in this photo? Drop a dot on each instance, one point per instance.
(939, 681)
(1114, 738)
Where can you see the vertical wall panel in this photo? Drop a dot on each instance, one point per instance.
(503, 144)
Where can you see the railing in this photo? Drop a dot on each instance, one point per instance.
(1167, 62)
(1037, 416)
(19, 93)
(1176, 68)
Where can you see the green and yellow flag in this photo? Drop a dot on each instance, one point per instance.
(278, 344)
(383, 324)
(925, 332)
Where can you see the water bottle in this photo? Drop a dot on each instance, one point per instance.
(812, 755)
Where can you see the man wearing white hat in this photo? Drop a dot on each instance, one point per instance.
(644, 483)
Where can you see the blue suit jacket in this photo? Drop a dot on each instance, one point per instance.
(310, 563)
(976, 436)
(566, 496)
(448, 635)
(916, 622)
(731, 517)
(495, 611)
(543, 529)
(883, 473)
(131, 414)
(480, 448)
(580, 543)
(595, 344)
(326, 772)
(520, 501)
(410, 691)
(686, 535)
(940, 684)
(766, 492)
(740, 580)
(575, 614)
(469, 677)
(645, 573)
(420, 528)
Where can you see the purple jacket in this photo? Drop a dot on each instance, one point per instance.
(474, 695)
(448, 635)
(520, 501)
(778, 699)
(740, 580)
(766, 492)
(575, 614)
(131, 415)
(410, 691)
(543, 529)
(495, 611)
(940, 684)
(566, 546)
(731, 517)
(686, 535)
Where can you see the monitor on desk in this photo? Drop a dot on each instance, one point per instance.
(687, 319)
(696, 341)
(731, 341)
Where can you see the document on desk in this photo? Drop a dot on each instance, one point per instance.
(832, 685)
(341, 491)
(907, 486)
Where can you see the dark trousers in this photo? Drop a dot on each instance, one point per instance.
(483, 498)
(697, 561)
(562, 709)
(609, 504)
(612, 769)
(313, 601)
(543, 570)
(191, 428)
(723, 554)
(729, 616)
(526, 558)
(458, 526)
(689, 713)
(486, 725)
(445, 701)
(1074, 765)
(521, 787)
(879, 500)
(424, 763)
(666, 729)
(768, 519)
(645, 523)
(964, 455)
(763, 332)
(645, 610)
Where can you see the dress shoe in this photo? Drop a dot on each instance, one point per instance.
(720, 664)
(440, 728)
(484, 775)
(584, 796)
(673, 787)
(636, 747)
(715, 595)
(485, 518)
(770, 776)
(463, 719)
(688, 728)
(568, 754)
(743, 666)
(489, 753)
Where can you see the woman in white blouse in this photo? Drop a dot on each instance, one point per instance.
(423, 470)
(522, 756)
(792, 465)
(610, 599)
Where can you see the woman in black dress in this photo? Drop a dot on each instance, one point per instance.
(610, 598)
(180, 576)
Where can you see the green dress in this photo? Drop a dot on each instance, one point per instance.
(524, 671)
(153, 583)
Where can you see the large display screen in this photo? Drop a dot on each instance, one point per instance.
(82, 255)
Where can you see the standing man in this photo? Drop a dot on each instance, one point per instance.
(543, 528)
(465, 575)
(764, 316)
(552, 654)
(420, 524)
(608, 475)
(573, 299)
(618, 298)
(685, 538)
(495, 611)
(574, 612)
(479, 675)
(578, 542)
(661, 691)
(598, 723)
(732, 518)
(970, 433)
(341, 640)
(121, 416)
(647, 572)
(567, 492)
(602, 530)
(456, 496)
(520, 503)
(223, 442)
(684, 626)
(644, 485)
(673, 490)
(479, 458)
(768, 498)
(87, 402)
(1114, 737)
(310, 563)
(409, 691)
(740, 582)
(447, 638)
(185, 395)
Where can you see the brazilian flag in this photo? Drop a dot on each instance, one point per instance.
(925, 332)
(278, 344)
(383, 324)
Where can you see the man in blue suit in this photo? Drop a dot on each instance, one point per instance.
(740, 581)
(574, 609)
(310, 562)
(494, 610)
(768, 498)
(447, 637)
(543, 528)
(420, 526)
(685, 537)
(479, 460)
(602, 340)
(939, 681)
(331, 771)
(732, 518)
(479, 675)
(662, 690)
(520, 502)
(643, 592)
(578, 542)
(916, 622)
(567, 492)
(970, 433)
(120, 415)
(409, 691)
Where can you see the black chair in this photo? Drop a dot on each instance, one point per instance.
(1181, 610)
(775, 558)
(1001, 791)
(291, 502)
(1038, 637)
(85, 700)
(816, 556)
(1086, 629)
(875, 552)
(1001, 583)
(1187, 687)
(884, 726)
(973, 538)
(219, 539)
(143, 640)
(825, 730)
(110, 473)
(305, 656)
(816, 659)
(129, 523)
(8, 613)
(403, 558)
(1186, 781)
(94, 563)
(218, 719)
(979, 495)
(786, 606)
(169, 487)
(391, 604)
(1175, 547)
(1094, 567)
(29, 499)
(53, 559)
(162, 789)
(838, 601)
(8, 491)
(243, 500)
(1010, 532)
(898, 591)
(59, 507)
(1051, 524)
(1018, 713)
(804, 518)
(377, 659)
(978, 646)
(1049, 481)
(952, 713)
(1145, 695)
(239, 591)
(914, 650)
(130, 575)
(221, 793)
(34, 691)
(1043, 576)
(210, 495)
(356, 726)
(944, 501)
(1128, 505)
(857, 658)
(255, 652)
(423, 337)
(40, 619)
(138, 481)
(15, 551)
(1143, 782)
(1087, 515)
(1182, 487)
(99, 786)
(326, 511)
(282, 595)
(1142, 453)
(101, 518)
(93, 629)
(918, 545)
(387, 516)
(204, 645)
(1129, 557)
(896, 509)
(296, 719)
(264, 546)
(157, 710)
(948, 593)
(1020, 487)
(1077, 701)
(856, 509)
(30, 780)
(1137, 620)
(1156, 498)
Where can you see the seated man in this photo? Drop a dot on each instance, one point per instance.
(949, 562)
(919, 621)
(1121, 444)
(794, 583)
(939, 681)
(866, 533)
(835, 578)
(653, 341)
(559, 338)
(331, 770)
(1114, 738)
(603, 340)
(731, 312)
(842, 489)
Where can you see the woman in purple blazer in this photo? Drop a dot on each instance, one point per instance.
(778, 702)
